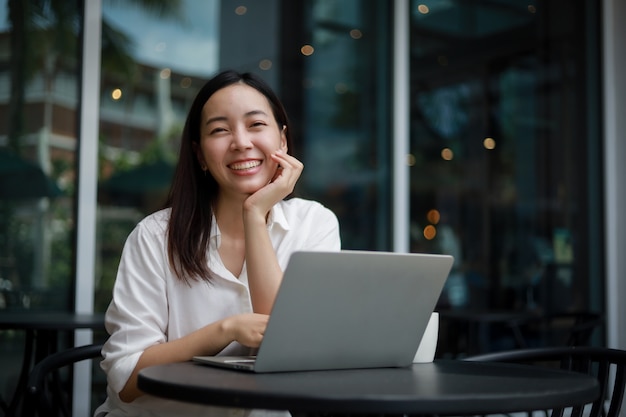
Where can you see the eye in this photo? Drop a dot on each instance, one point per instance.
(258, 124)
(217, 130)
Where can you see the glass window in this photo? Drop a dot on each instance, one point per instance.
(40, 78)
(37, 147)
(344, 115)
(502, 144)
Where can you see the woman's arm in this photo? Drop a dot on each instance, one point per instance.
(138, 317)
(264, 272)
(247, 329)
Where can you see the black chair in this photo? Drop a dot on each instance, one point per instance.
(44, 395)
(608, 365)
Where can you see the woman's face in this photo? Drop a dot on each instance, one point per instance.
(238, 133)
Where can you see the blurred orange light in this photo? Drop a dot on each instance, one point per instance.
(433, 216)
(447, 154)
(356, 34)
(307, 50)
(430, 232)
(489, 143)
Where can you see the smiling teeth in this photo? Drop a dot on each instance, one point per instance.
(245, 165)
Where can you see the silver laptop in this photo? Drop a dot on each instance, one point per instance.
(348, 309)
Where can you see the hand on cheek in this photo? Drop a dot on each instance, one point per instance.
(279, 171)
(289, 169)
(281, 185)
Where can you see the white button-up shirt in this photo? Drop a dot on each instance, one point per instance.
(151, 305)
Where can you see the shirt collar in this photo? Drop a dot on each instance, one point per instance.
(277, 217)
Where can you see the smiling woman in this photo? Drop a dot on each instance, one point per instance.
(228, 223)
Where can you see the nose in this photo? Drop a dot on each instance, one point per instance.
(240, 140)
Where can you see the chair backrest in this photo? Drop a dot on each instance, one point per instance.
(38, 400)
(608, 365)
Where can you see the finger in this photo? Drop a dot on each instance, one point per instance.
(288, 169)
(278, 173)
(285, 159)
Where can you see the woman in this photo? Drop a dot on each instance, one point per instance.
(200, 277)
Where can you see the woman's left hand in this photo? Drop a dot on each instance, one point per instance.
(281, 185)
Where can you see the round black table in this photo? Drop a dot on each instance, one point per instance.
(447, 387)
(42, 330)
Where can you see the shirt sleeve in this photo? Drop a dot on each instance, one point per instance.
(323, 230)
(138, 314)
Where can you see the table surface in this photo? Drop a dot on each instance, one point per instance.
(41, 320)
(444, 387)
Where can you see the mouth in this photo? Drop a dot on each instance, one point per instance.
(241, 166)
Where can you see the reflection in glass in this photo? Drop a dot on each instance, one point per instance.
(502, 97)
(37, 147)
(345, 117)
(39, 85)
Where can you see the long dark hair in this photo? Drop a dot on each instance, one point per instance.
(194, 192)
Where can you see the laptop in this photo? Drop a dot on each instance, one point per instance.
(347, 310)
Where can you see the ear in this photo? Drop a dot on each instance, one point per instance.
(283, 138)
